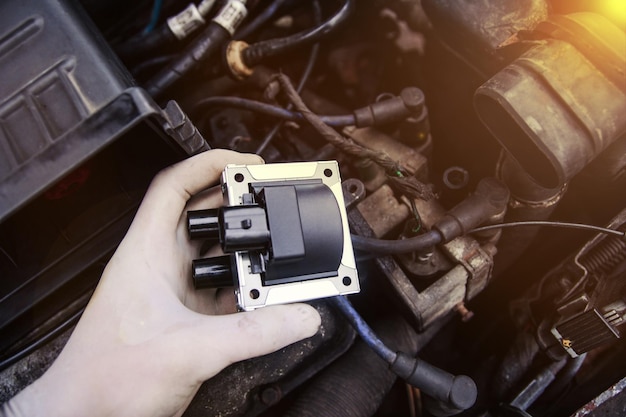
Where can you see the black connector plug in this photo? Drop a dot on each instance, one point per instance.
(488, 202)
(235, 228)
(204, 224)
(455, 393)
(410, 102)
(216, 272)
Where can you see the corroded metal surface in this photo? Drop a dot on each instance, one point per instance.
(611, 402)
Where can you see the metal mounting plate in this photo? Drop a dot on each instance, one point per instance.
(251, 292)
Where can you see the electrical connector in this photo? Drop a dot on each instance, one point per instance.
(285, 230)
(410, 102)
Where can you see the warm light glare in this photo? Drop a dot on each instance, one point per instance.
(615, 9)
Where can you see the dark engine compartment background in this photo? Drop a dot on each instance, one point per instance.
(70, 181)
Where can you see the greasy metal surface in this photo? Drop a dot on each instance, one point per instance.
(382, 211)
(427, 306)
(591, 310)
(353, 192)
(479, 28)
(477, 261)
(443, 295)
(414, 162)
(611, 402)
(464, 250)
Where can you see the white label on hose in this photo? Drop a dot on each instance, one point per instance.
(185, 22)
(231, 16)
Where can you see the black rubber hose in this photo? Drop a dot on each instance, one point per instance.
(140, 46)
(265, 16)
(395, 247)
(255, 53)
(270, 110)
(151, 63)
(206, 44)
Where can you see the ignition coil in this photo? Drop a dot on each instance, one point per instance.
(284, 231)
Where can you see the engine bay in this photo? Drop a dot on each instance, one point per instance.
(479, 189)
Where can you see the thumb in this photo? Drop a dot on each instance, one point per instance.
(235, 337)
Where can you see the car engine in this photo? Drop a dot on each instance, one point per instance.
(479, 190)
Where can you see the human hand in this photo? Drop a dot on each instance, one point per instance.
(147, 339)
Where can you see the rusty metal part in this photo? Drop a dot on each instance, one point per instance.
(382, 211)
(587, 257)
(353, 192)
(477, 261)
(610, 402)
(411, 160)
(465, 250)
(466, 315)
(424, 266)
(418, 264)
(455, 177)
(372, 175)
(461, 283)
(529, 201)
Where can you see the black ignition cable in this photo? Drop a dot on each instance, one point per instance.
(256, 53)
(213, 37)
(242, 57)
(175, 29)
(455, 393)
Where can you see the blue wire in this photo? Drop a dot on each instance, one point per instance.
(363, 329)
(154, 17)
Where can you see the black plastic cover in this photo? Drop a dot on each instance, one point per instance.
(306, 230)
(63, 97)
(78, 146)
(55, 74)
